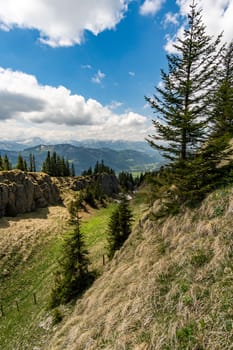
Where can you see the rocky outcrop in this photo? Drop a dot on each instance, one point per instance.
(24, 192)
(108, 183)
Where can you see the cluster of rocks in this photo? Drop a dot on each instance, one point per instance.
(22, 192)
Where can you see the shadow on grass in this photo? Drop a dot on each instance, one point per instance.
(62, 295)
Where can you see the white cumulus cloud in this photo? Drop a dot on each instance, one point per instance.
(151, 7)
(62, 22)
(28, 108)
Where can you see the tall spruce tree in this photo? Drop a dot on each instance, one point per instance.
(183, 102)
(183, 106)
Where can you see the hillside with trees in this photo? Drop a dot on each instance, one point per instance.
(131, 263)
(169, 287)
(82, 158)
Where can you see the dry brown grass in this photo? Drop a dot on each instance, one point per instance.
(20, 235)
(169, 288)
(30, 246)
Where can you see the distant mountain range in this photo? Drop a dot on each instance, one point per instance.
(117, 145)
(119, 155)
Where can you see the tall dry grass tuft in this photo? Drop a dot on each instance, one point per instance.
(169, 287)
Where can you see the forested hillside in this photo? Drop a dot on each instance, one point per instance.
(83, 158)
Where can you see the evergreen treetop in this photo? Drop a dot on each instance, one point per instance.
(21, 163)
(182, 103)
(57, 166)
(6, 163)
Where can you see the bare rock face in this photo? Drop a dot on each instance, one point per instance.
(22, 192)
(108, 183)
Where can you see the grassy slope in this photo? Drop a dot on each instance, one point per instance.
(29, 246)
(169, 288)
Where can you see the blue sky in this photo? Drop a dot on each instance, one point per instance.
(79, 69)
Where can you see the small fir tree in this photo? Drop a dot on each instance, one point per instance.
(119, 227)
(25, 165)
(114, 233)
(72, 171)
(87, 172)
(46, 166)
(21, 163)
(6, 163)
(72, 277)
(32, 163)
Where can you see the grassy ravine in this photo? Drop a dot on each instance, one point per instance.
(34, 278)
(28, 327)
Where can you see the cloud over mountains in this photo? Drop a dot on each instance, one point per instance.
(24, 100)
(54, 112)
